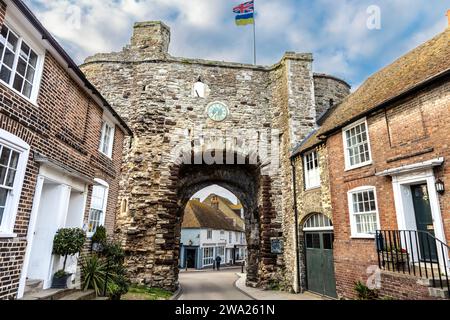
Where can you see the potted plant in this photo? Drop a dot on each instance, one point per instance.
(395, 256)
(67, 242)
(99, 239)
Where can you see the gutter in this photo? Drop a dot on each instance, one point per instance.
(70, 63)
(297, 255)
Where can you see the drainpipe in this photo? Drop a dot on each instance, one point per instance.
(297, 255)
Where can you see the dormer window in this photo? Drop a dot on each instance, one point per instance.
(199, 90)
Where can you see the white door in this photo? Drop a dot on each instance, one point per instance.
(47, 224)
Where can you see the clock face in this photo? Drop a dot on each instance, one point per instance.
(217, 111)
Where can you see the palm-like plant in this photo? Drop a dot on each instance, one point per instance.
(94, 271)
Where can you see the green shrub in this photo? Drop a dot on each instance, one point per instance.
(115, 256)
(68, 242)
(94, 271)
(100, 235)
(364, 293)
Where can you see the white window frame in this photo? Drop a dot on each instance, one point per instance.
(311, 174)
(209, 234)
(12, 203)
(209, 260)
(348, 166)
(353, 227)
(110, 124)
(230, 237)
(105, 185)
(12, 22)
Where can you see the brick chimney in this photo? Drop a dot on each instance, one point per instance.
(215, 202)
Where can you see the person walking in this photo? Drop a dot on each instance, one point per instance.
(218, 261)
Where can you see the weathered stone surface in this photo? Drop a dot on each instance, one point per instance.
(154, 93)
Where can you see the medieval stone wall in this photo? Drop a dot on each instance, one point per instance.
(329, 91)
(154, 93)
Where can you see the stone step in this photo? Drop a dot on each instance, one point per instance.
(32, 286)
(49, 294)
(439, 293)
(80, 295)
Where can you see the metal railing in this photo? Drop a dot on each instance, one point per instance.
(413, 252)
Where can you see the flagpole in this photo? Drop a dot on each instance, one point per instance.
(254, 33)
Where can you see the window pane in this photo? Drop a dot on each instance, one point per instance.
(309, 241)
(8, 59)
(3, 197)
(21, 67)
(2, 175)
(27, 88)
(12, 42)
(25, 51)
(14, 160)
(5, 74)
(30, 74)
(18, 82)
(4, 156)
(328, 241)
(33, 59)
(4, 34)
(10, 178)
(316, 241)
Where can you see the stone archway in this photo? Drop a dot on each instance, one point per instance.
(268, 108)
(244, 182)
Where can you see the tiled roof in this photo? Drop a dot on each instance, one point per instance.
(418, 66)
(201, 216)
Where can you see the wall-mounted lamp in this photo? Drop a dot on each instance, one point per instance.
(440, 187)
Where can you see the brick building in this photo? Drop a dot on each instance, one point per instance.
(383, 161)
(60, 151)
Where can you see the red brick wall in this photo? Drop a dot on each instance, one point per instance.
(418, 124)
(65, 126)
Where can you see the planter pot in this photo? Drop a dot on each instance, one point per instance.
(398, 260)
(60, 283)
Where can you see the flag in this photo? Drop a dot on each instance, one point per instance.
(245, 13)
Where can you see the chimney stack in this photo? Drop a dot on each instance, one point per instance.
(215, 202)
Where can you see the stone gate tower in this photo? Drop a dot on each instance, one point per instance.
(198, 123)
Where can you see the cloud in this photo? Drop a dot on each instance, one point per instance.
(335, 31)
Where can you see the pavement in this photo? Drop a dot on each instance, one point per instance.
(210, 285)
(259, 294)
(228, 284)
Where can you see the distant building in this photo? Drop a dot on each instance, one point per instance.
(208, 232)
(230, 209)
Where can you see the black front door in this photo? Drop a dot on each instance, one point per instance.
(320, 263)
(424, 221)
(190, 258)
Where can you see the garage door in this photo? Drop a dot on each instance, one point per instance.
(319, 240)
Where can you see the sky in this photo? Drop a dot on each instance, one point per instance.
(335, 31)
(203, 194)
